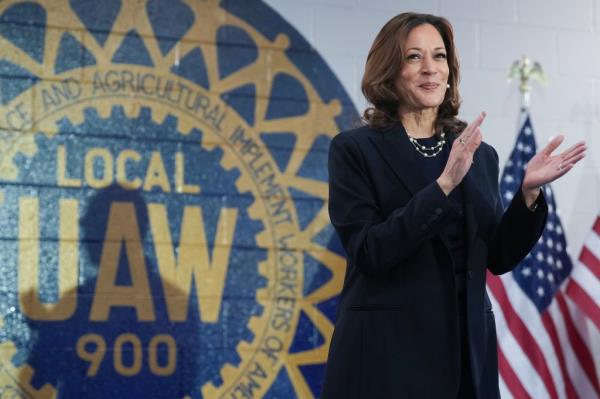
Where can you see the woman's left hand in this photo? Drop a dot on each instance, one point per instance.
(544, 167)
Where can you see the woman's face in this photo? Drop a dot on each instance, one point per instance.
(424, 74)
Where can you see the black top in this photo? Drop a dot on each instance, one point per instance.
(454, 230)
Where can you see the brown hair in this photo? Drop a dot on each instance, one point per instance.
(385, 60)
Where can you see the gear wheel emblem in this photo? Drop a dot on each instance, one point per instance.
(177, 132)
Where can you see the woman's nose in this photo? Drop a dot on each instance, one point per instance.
(427, 66)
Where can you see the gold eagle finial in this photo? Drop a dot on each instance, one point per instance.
(526, 70)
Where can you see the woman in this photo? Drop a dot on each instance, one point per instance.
(414, 198)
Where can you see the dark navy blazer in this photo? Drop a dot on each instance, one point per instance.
(396, 334)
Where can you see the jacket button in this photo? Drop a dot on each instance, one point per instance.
(439, 211)
(423, 226)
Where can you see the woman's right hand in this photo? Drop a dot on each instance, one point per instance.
(461, 155)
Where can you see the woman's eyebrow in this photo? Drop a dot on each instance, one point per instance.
(419, 48)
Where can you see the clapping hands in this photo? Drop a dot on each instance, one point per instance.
(544, 167)
(460, 158)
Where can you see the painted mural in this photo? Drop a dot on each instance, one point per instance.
(163, 206)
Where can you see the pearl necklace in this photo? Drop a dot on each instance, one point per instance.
(429, 152)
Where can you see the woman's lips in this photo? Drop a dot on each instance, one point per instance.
(429, 86)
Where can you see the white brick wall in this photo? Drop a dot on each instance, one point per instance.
(563, 35)
(479, 11)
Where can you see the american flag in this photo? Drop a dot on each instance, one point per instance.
(548, 308)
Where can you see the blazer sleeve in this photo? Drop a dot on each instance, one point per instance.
(374, 243)
(516, 232)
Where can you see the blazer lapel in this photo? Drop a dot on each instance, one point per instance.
(399, 154)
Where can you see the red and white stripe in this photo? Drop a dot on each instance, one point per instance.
(555, 354)
(584, 286)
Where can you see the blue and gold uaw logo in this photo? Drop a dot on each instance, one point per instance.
(163, 207)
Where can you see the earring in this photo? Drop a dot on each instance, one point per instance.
(447, 85)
